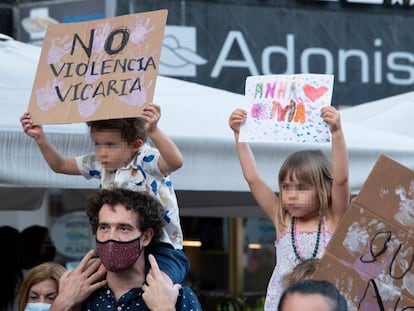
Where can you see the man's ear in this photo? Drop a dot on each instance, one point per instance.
(147, 237)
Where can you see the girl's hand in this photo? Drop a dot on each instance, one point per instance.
(331, 116)
(151, 114)
(237, 117)
(34, 131)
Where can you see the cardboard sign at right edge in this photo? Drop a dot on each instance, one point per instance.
(370, 258)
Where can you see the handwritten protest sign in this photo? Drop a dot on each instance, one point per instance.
(98, 69)
(286, 108)
(371, 255)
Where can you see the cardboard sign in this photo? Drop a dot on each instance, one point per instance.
(370, 258)
(286, 108)
(100, 69)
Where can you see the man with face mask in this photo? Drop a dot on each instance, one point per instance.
(126, 225)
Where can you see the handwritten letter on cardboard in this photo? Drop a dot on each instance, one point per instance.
(98, 69)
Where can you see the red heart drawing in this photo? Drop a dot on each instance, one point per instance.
(314, 93)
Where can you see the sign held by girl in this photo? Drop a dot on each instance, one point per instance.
(286, 108)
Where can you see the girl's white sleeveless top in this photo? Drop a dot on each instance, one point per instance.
(286, 260)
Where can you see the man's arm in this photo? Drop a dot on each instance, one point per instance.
(76, 285)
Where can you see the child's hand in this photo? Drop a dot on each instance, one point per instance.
(35, 131)
(158, 295)
(331, 116)
(151, 114)
(237, 117)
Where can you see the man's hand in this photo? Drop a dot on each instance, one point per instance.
(76, 285)
(158, 295)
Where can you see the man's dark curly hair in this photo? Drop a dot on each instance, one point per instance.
(147, 208)
(131, 128)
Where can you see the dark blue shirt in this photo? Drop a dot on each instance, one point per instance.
(104, 299)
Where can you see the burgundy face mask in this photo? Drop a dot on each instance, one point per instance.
(116, 255)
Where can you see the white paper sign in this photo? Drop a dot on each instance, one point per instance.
(286, 108)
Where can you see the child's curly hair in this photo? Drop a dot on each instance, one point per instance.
(131, 128)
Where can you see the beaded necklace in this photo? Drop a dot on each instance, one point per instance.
(293, 238)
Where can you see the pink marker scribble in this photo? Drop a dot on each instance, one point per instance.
(46, 97)
(89, 106)
(314, 93)
(140, 31)
(373, 269)
(59, 48)
(256, 110)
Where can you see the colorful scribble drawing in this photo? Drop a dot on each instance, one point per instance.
(286, 108)
(405, 214)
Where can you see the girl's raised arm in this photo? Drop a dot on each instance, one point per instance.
(340, 164)
(263, 194)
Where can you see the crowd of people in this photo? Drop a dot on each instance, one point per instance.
(26, 250)
(135, 219)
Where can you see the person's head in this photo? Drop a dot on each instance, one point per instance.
(37, 245)
(312, 295)
(124, 222)
(302, 271)
(305, 183)
(117, 140)
(40, 287)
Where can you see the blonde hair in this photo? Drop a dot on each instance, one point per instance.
(309, 166)
(39, 273)
(302, 271)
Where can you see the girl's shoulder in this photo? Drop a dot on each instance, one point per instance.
(331, 222)
(281, 227)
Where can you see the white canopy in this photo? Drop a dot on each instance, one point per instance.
(195, 117)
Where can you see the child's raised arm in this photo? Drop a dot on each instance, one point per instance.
(171, 158)
(54, 159)
(340, 163)
(263, 194)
